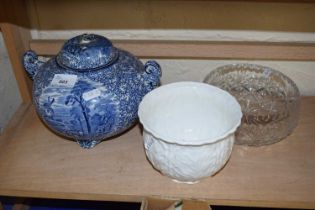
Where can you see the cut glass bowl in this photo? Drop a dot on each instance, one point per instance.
(269, 100)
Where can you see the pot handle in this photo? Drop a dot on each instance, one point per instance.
(152, 74)
(31, 63)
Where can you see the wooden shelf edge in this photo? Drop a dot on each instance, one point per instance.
(199, 49)
(17, 42)
(139, 199)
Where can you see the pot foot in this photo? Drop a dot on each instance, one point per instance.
(88, 144)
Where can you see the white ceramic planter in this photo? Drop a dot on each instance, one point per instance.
(189, 129)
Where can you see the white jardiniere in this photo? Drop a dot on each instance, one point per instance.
(189, 129)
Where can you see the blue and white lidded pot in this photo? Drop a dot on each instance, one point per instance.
(90, 90)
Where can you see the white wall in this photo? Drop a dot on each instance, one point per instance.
(10, 98)
(303, 73)
(176, 34)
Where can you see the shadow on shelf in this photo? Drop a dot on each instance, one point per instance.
(12, 203)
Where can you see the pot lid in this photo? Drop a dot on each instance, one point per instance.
(87, 52)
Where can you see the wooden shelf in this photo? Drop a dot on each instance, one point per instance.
(199, 49)
(34, 162)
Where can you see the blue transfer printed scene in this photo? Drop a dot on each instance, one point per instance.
(91, 90)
